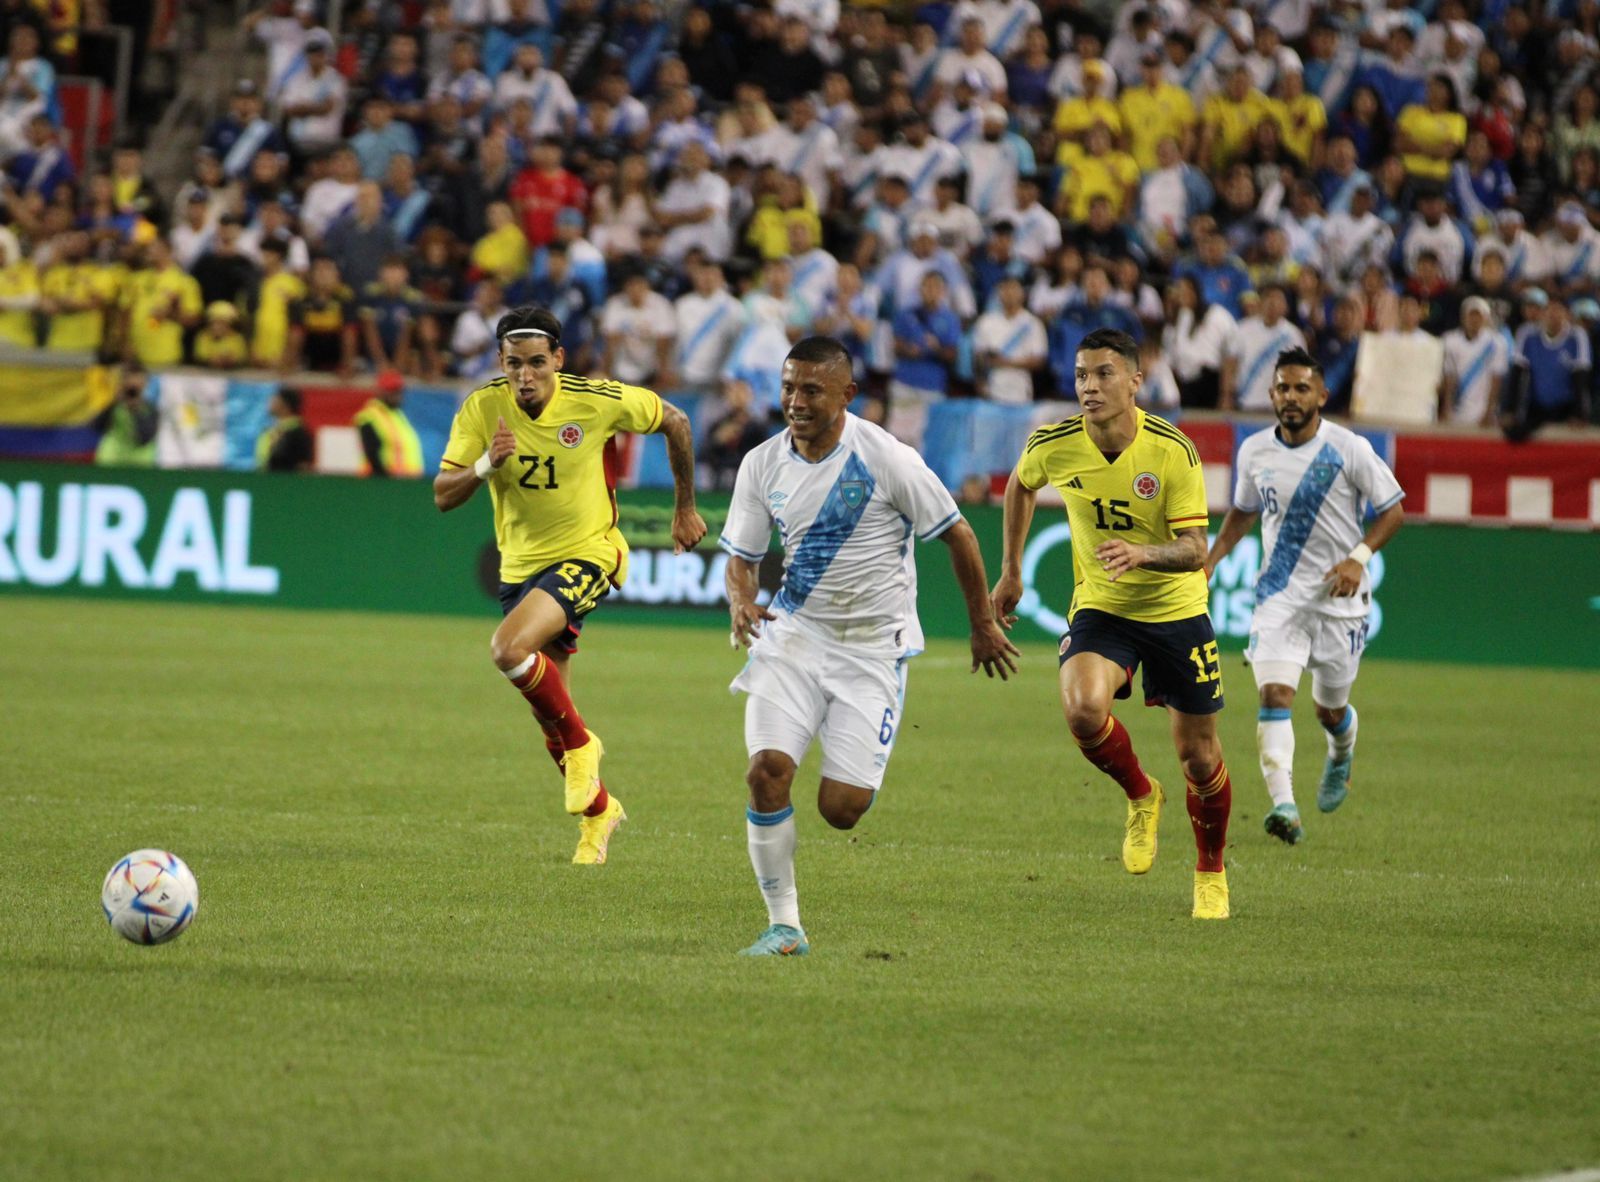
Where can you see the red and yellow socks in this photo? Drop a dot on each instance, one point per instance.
(1209, 806)
(1112, 752)
(538, 681)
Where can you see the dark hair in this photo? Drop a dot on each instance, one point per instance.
(1452, 102)
(1297, 357)
(819, 350)
(291, 399)
(1114, 339)
(541, 321)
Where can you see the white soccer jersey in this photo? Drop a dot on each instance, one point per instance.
(814, 276)
(1445, 240)
(1474, 364)
(1566, 262)
(846, 523)
(1312, 500)
(1256, 345)
(1010, 339)
(708, 328)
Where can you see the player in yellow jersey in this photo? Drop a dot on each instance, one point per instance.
(541, 440)
(1136, 503)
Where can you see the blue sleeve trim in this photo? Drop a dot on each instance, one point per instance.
(777, 818)
(723, 543)
(1273, 714)
(1391, 502)
(941, 527)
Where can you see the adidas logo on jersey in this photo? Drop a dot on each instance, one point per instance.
(1075, 482)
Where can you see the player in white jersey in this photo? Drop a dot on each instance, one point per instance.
(1310, 482)
(828, 656)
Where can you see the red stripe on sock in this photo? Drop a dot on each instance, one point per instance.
(1209, 808)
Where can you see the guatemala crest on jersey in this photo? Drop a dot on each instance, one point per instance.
(853, 492)
(570, 435)
(1146, 486)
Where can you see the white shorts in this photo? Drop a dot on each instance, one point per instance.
(804, 687)
(1285, 642)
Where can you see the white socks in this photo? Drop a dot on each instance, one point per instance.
(1342, 739)
(772, 842)
(1275, 741)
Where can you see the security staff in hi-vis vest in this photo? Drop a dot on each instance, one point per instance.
(389, 443)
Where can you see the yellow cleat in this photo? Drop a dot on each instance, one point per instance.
(581, 765)
(1210, 895)
(594, 834)
(1139, 834)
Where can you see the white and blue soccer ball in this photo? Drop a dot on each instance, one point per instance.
(150, 897)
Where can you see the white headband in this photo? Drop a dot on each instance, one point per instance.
(532, 332)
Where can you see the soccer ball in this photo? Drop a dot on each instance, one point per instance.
(150, 896)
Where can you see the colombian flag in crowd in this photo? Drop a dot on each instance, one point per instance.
(48, 412)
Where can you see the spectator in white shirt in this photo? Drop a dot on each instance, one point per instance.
(463, 81)
(710, 322)
(328, 198)
(959, 228)
(810, 150)
(968, 55)
(285, 39)
(639, 327)
(555, 111)
(1252, 351)
(1477, 358)
(694, 208)
(472, 341)
(1038, 231)
(313, 99)
(1009, 345)
(1194, 340)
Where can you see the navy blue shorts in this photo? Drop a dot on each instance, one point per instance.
(576, 586)
(1181, 665)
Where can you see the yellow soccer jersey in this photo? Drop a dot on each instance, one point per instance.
(554, 499)
(1152, 490)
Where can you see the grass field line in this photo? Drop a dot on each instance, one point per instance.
(941, 849)
(1563, 1176)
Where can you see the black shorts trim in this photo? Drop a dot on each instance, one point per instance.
(1182, 668)
(576, 585)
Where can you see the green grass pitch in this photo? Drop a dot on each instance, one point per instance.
(396, 974)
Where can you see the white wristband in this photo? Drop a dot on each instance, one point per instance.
(1362, 554)
(483, 467)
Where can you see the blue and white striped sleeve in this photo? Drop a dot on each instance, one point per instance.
(916, 492)
(748, 529)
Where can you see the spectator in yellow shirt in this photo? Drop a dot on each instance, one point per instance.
(1097, 170)
(1154, 110)
(1230, 120)
(1430, 135)
(220, 344)
(162, 300)
(1301, 118)
(1075, 116)
(19, 299)
(278, 289)
(502, 253)
(74, 294)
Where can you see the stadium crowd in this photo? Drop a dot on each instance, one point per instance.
(959, 191)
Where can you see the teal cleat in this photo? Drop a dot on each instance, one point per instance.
(779, 940)
(1283, 822)
(1335, 783)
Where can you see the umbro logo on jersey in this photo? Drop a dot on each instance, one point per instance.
(1075, 482)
